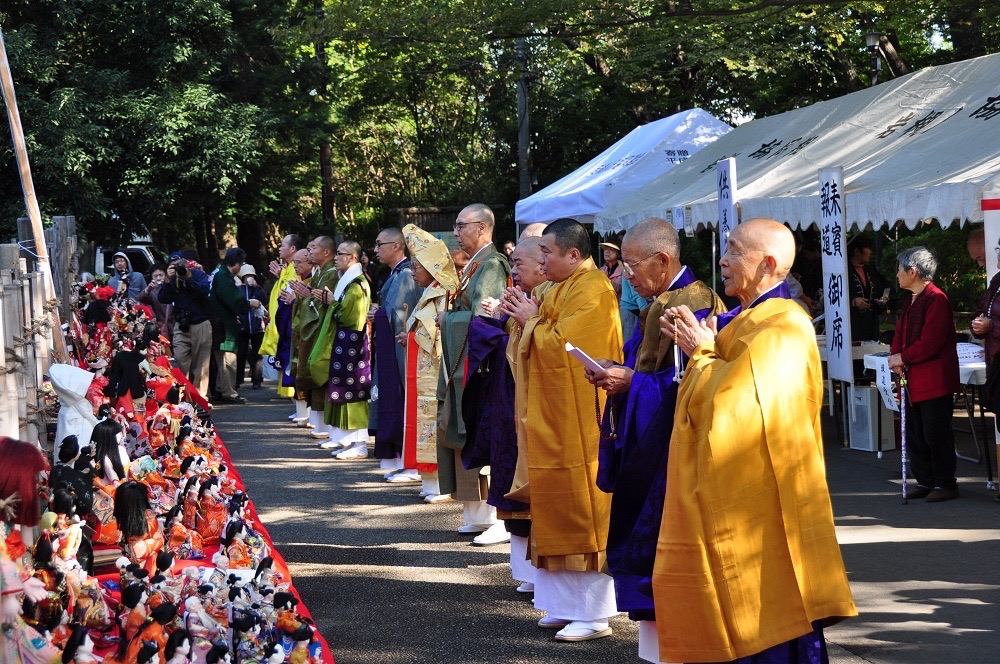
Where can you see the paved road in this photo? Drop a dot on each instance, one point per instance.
(389, 581)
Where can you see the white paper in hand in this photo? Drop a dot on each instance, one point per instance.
(583, 358)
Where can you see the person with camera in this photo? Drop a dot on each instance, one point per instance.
(252, 325)
(187, 289)
(229, 305)
(125, 279)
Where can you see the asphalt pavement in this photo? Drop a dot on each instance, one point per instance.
(388, 580)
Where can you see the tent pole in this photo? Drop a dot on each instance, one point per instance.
(714, 261)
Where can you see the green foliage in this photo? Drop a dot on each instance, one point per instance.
(957, 275)
(198, 118)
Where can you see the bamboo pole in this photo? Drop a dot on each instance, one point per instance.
(30, 201)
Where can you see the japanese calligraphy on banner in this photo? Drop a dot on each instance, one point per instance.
(883, 379)
(725, 177)
(835, 292)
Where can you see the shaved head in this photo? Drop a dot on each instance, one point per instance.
(532, 230)
(478, 213)
(758, 257)
(652, 236)
(525, 268)
(773, 239)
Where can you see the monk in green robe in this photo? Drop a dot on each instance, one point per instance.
(314, 300)
(348, 366)
(485, 276)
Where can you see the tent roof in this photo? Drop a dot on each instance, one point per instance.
(917, 148)
(637, 158)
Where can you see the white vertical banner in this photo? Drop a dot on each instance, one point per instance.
(835, 294)
(725, 178)
(991, 224)
(677, 216)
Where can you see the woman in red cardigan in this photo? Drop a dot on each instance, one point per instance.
(924, 348)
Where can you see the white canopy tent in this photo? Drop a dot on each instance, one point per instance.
(643, 154)
(919, 148)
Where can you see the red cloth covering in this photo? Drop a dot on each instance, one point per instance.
(280, 566)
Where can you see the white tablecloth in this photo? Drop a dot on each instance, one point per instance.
(973, 373)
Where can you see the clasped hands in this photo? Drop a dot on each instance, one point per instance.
(680, 326)
(518, 305)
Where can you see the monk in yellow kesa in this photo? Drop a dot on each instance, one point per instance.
(747, 561)
(569, 514)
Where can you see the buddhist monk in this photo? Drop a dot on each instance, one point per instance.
(640, 408)
(485, 276)
(569, 514)
(531, 230)
(748, 562)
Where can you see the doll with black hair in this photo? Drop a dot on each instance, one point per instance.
(65, 475)
(134, 610)
(140, 529)
(219, 654)
(211, 512)
(111, 460)
(287, 620)
(178, 648)
(149, 652)
(247, 640)
(57, 598)
(234, 542)
(183, 542)
(79, 648)
(154, 630)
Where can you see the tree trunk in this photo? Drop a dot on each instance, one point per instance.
(326, 173)
(965, 29)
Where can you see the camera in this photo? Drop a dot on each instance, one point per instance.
(181, 269)
(183, 319)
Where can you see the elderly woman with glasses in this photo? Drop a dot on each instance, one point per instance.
(923, 349)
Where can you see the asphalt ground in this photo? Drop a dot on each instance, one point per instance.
(388, 580)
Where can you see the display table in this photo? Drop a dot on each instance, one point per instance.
(972, 375)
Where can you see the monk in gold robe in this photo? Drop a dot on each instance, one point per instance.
(747, 562)
(569, 514)
(640, 409)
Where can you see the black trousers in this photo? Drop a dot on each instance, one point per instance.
(930, 442)
(248, 350)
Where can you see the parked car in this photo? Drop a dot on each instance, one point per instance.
(142, 256)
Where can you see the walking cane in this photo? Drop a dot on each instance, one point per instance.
(902, 432)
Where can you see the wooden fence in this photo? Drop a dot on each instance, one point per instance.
(26, 328)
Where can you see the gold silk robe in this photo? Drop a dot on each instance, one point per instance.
(747, 556)
(569, 513)
(421, 412)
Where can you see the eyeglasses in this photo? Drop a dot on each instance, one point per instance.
(347, 253)
(629, 268)
(382, 244)
(461, 225)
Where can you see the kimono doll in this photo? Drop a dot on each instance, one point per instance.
(236, 547)
(138, 524)
(64, 475)
(287, 621)
(111, 460)
(153, 630)
(247, 640)
(178, 648)
(183, 542)
(134, 610)
(79, 648)
(211, 512)
(219, 654)
(158, 593)
(57, 598)
(200, 624)
(302, 651)
(188, 499)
